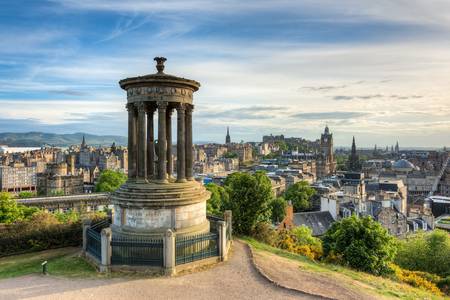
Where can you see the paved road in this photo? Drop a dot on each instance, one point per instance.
(235, 279)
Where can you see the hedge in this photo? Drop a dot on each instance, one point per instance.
(55, 236)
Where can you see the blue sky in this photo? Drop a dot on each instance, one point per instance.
(378, 70)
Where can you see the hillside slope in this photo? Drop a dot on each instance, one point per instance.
(296, 272)
(38, 139)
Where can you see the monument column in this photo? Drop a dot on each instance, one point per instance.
(150, 144)
(181, 132)
(189, 156)
(131, 141)
(169, 140)
(162, 143)
(142, 144)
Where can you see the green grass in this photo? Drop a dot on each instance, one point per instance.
(377, 286)
(61, 262)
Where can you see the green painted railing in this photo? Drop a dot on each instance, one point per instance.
(94, 245)
(196, 247)
(136, 251)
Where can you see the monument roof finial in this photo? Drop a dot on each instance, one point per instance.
(160, 63)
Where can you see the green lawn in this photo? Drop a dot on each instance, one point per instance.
(380, 286)
(61, 262)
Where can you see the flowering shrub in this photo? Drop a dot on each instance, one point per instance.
(421, 280)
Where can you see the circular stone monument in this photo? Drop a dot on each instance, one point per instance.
(156, 197)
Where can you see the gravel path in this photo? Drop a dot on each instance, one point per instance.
(235, 279)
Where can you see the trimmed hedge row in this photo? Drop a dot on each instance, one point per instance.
(55, 236)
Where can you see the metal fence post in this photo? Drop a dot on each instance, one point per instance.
(227, 216)
(169, 253)
(222, 240)
(106, 249)
(86, 225)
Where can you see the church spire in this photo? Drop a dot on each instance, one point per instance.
(83, 143)
(353, 146)
(228, 138)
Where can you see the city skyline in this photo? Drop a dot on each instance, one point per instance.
(378, 71)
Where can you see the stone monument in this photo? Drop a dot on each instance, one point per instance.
(156, 198)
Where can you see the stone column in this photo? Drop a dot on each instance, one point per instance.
(169, 141)
(106, 250)
(222, 240)
(132, 164)
(162, 143)
(142, 144)
(181, 132)
(189, 156)
(227, 216)
(150, 144)
(86, 225)
(169, 253)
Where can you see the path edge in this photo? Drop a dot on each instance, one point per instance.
(261, 272)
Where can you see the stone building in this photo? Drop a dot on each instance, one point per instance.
(57, 181)
(109, 161)
(17, 177)
(85, 155)
(326, 165)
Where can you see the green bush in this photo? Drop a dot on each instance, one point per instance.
(43, 231)
(425, 251)
(278, 209)
(26, 194)
(215, 204)
(300, 195)
(110, 180)
(11, 212)
(361, 243)
(249, 199)
(265, 233)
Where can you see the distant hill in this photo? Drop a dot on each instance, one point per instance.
(38, 139)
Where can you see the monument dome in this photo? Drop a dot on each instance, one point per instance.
(403, 165)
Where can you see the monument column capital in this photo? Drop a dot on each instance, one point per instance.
(162, 105)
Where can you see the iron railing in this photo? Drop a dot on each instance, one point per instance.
(137, 251)
(196, 247)
(93, 243)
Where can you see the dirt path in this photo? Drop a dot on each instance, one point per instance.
(288, 273)
(235, 279)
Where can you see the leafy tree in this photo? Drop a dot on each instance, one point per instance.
(361, 243)
(249, 199)
(427, 252)
(304, 236)
(282, 145)
(300, 195)
(219, 196)
(26, 194)
(11, 212)
(110, 180)
(230, 155)
(278, 209)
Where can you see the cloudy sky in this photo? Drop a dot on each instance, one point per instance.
(379, 70)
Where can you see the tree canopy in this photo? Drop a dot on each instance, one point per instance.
(300, 195)
(361, 243)
(215, 205)
(11, 212)
(110, 180)
(278, 209)
(427, 252)
(249, 199)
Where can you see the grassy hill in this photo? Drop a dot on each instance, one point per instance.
(300, 273)
(38, 139)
